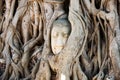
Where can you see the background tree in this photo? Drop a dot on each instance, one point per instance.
(91, 52)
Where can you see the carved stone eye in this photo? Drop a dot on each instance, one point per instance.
(65, 35)
(55, 35)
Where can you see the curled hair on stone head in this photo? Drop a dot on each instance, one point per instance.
(54, 1)
(61, 22)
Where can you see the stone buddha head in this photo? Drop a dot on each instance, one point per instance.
(59, 35)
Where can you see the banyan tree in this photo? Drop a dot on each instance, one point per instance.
(59, 39)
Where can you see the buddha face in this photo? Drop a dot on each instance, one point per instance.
(59, 35)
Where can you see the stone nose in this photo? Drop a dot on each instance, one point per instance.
(59, 42)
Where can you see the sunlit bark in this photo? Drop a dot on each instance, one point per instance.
(91, 51)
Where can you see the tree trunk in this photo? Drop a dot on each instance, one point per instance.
(86, 39)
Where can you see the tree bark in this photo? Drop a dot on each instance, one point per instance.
(91, 52)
